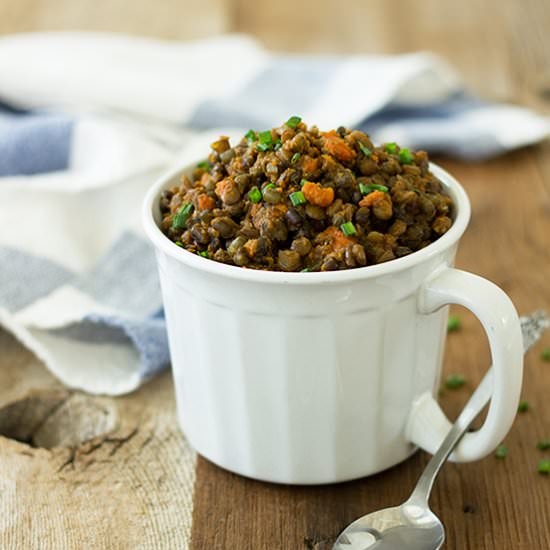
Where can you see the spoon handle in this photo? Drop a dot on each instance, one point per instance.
(532, 327)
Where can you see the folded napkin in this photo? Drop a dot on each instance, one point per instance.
(88, 121)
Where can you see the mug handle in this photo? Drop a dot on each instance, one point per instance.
(427, 425)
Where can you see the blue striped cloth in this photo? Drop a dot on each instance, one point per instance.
(86, 132)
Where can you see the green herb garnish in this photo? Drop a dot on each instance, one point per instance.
(501, 451)
(305, 270)
(543, 466)
(391, 148)
(545, 354)
(303, 181)
(453, 323)
(366, 151)
(179, 243)
(293, 121)
(295, 157)
(204, 164)
(251, 136)
(297, 198)
(255, 195)
(365, 188)
(523, 406)
(278, 145)
(348, 229)
(405, 156)
(204, 254)
(268, 186)
(455, 381)
(180, 219)
(265, 140)
(543, 445)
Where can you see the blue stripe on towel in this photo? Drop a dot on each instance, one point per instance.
(24, 278)
(33, 142)
(125, 278)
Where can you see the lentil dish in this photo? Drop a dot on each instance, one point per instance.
(294, 198)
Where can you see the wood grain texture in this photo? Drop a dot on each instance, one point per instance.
(125, 489)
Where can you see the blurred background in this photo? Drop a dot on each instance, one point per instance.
(500, 47)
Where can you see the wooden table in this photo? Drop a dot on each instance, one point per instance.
(125, 488)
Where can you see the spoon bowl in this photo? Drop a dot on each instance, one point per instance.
(407, 527)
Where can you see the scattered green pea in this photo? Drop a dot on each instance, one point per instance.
(454, 381)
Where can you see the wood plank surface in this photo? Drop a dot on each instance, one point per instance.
(124, 488)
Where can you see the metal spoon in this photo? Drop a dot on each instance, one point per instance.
(413, 526)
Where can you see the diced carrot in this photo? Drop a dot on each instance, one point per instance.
(371, 198)
(335, 238)
(310, 165)
(206, 202)
(220, 187)
(337, 147)
(317, 195)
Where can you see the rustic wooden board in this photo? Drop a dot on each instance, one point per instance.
(125, 488)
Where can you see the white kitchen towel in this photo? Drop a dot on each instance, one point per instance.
(88, 121)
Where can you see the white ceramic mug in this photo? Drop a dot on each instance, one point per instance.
(324, 377)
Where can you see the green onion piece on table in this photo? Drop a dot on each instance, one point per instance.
(453, 323)
(544, 466)
(545, 354)
(523, 406)
(348, 229)
(180, 219)
(255, 195)
(455, 381)
(501, 451)
(293, 121)
(297, 198)
(543, 445)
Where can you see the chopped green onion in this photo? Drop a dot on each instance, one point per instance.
(255, 195)
(377, 187)
(205, 165)
(543, 466)
(348, 229)
(455, 381)
(180, 219)
(303, 181)
(278, 145)
(268, 186)
(543, 445)
(523, 406)
(545, 354)
(502, 451)
(204, 254)
(365, 188)
(297, 198)
(179, 243)
(293, 121)
(405, 156)
(265, 140)
(453, 323)
(305, 270)
(366, 151)
(251, 136)
(295, 157)
(391, 148)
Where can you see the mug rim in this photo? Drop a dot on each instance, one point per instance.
(163, 243)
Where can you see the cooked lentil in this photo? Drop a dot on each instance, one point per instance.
(294, 198)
